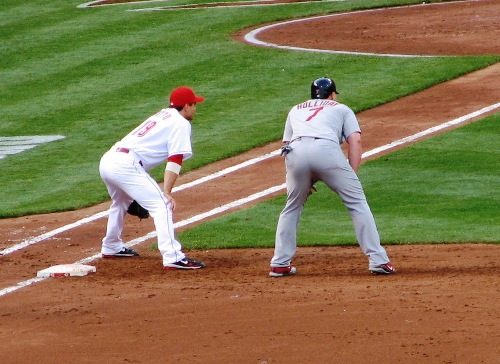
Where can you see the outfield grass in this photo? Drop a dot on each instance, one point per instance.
(441, 190)
(94, 74)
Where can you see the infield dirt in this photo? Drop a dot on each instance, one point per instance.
(442, 306)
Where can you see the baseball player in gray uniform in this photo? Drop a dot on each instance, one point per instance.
(314, 132)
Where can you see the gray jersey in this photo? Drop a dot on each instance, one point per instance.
(315, 130)
(325, 119)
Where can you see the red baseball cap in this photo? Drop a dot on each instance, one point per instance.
(184, 95)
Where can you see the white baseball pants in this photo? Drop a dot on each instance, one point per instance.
(126, 181)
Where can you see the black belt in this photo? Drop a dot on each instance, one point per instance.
(306, 137)
(125, 150)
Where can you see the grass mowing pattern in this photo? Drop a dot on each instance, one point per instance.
(92, 75)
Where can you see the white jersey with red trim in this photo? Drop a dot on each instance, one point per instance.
(325, 119)
(163, 134)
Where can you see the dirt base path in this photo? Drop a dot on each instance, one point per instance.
(441, 307)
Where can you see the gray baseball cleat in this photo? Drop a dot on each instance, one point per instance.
(386, 268)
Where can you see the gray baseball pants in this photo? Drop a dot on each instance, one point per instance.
(313, 160)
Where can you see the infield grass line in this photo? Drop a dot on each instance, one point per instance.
(264, 193)
(223, 208)
(95, 3)
(223, 5)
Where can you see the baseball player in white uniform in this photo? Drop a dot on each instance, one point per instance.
(314, 132)
(165, 136)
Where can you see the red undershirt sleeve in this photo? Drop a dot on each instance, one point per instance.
(176, 158)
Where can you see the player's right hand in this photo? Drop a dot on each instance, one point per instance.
(170, 201)
(312, 190)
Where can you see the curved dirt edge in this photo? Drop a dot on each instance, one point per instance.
(197, 6)
(438, 308)
(389, 32)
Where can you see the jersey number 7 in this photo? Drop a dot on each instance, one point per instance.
(315, 111)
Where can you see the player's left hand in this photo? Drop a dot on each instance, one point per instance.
(135, 209)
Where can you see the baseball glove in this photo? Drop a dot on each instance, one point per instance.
(135, 209)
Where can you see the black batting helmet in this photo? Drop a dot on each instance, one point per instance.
(322, 88)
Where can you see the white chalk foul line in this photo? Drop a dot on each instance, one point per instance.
(152, 234)
(432, 130)
(228, 170)
(250, 198)
(52, 233)
(86, 220)
(230, 205)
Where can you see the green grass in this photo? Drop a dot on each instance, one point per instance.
(441, 190)
(94, 74)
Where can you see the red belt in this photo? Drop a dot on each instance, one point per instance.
(125, 150)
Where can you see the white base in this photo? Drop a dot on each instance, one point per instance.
(66, 270)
